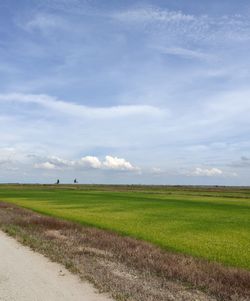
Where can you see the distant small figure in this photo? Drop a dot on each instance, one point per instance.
(57, 182)
(75, 181)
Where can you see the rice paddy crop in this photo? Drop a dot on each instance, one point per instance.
(211, 223)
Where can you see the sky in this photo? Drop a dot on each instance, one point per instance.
(125, 92)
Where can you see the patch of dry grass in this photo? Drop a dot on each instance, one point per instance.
(127, 268)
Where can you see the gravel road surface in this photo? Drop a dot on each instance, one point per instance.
(29, 276)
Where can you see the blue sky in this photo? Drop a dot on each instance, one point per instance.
(153, 92)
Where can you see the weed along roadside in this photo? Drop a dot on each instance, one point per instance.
(126, 268)
(26, 275)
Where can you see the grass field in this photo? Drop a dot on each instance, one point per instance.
(212, 223)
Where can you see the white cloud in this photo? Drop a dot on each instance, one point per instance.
(152, 14)
(229, 105)
(58, 162)
(45, 165)
(90, 161)
(51, 162)
(70, 108)
(6, 153)
(44, 22)
(212, 29)
(206, 172)
(183, 52)
(10, 156)
(115, 163)
(110, 163)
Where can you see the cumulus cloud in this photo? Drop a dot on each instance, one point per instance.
(51, 162)
(206, 172)
(90, 161)
(115, 163)
(59, 162)
(110, 163)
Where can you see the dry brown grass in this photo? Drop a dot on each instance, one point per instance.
(127, 268)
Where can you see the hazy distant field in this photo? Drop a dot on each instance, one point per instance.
(213, 223)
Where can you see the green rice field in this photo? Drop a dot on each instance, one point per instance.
(207, 222)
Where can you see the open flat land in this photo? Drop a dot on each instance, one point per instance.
(139, 242)
(207, 222)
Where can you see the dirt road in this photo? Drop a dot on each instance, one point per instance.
(28, 276)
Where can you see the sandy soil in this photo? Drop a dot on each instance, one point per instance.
(28, 276)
